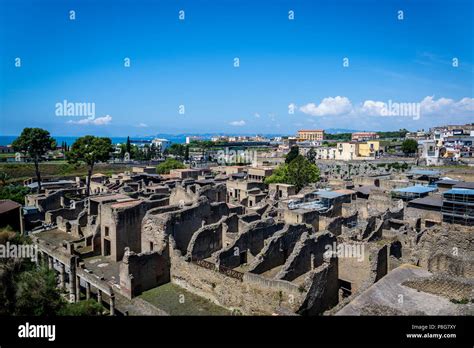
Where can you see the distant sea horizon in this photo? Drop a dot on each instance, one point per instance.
(8, 139)
(174, 138)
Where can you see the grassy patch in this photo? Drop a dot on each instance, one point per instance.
(462, 301)
(177, 301)
(21, 171)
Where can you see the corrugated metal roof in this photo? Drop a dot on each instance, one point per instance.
(50, 183)
(430, 201)
(460, 191)
(466, 185)
(425, 172)
(447, 182)
(415, 189)
(328, 194)
(365, 190)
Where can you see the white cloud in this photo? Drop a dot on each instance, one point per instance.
(445, 106)
(328, 107)
(257, 115)
(142, 125)
(431, 106)
(237, 123)
(372, 108)
(428, 106)
(466, 104)
(100, 121)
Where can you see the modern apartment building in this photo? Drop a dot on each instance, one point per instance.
(311, 135)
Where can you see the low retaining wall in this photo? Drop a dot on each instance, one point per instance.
(252, 295)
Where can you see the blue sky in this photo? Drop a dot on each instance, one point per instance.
(282, 62)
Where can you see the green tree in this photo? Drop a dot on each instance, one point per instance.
(26, 289)
(128, 146)
(311, 155)
(295, 150)
(36, 293)
(279, 175)
(90, 150)
(394, 134)
(82, 308)
(186, 153)
(203, 145)
(178, 150)
(34, 143)
(15, 193)
(338, 136)
(4, 177)
(153, 151)
(299, 172)
(410, 146)
(169, 164)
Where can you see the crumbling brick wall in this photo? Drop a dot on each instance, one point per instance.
(323, 291)
(140, 272)
(204, 242)
(278, 248)
(307, 255)
(446, 249)
(65, 213)
(181, 222)
(250, 297)
(366, 268)
(250, 240)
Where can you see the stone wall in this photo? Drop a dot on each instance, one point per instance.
(307, 255)
(369, 268)
(181, 194)
(250, 296)
(277, 248)
(446, 249)
(250, 240)
(66, 213)
(232, 222)
(215, 193)
(218, 210)
(380, 202)
(191, 193)
(335, 225)
(413, 215)
(124, 229)
(301, 216)
(324, 288)
(205, 241)
(140, 272)
(181, 223)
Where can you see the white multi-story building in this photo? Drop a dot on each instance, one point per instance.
(325, 153)
(161, 144)
(191, 138)
(321, 152)
(429, 151)
(346, 151)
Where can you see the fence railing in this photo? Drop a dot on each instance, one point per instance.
(221, 269)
